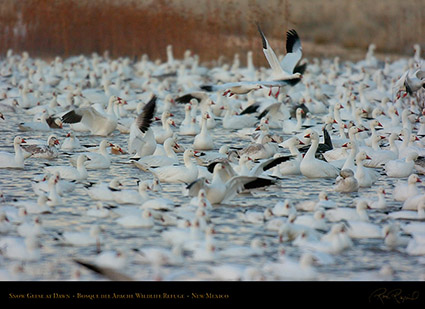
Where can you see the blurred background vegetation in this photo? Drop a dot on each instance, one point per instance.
(210, 28)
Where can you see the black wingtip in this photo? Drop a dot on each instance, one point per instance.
(259, 183)
(145, 119)
(291, 38)
(300, 68)
(250, 109)
(71, 117)
(263, 38)
(207, 88)
(185, 98)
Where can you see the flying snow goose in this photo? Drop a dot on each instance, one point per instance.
(284, 73)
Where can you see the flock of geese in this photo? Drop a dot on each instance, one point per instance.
(352, 124)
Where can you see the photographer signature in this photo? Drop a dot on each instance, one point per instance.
(394, 295)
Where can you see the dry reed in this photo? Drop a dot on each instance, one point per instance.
(47, 28)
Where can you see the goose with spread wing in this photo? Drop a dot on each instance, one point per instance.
(224, 187)
(410, 82)
(98, 123)
(142, 139)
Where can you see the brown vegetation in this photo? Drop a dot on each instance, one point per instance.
(209, 28)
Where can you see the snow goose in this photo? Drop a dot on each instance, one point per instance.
(41, 185)
(289, 269)
(393, 238)
(161, 134)
(185, 127)
(291, 166)
(401, 167)
(102, 124)
(284, 208)
(20, 248)
(313, 205)
(381, 156)
(380, 202)
(141, 141)
(316, 221)
(233, 88)
(366, 177)
(413, 202)
(130, 221)
(45, 151)
(160, 204)
(286, 70)
(129, 196)
(5, 225)
(223, 187)
(159, 160)
(289, 126)
(419, 214)
(416, 245)
(312, 167)
(178, 174)
(54, 198)
(82, 238)
(346, 182)
(98, 158)
(402, 191)
(159, 255)
(33, 228)
(346, 213)
(9, 160)
(38, 207)
(99, 210)
(204, 140)
(266, 148)
(360, 229)
(39, 125)
(104, 191)
(70, 172)
(409, 82)
(255, 217)
(232, 120)
(71, 142)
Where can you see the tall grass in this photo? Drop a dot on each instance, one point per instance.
(209, 28)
